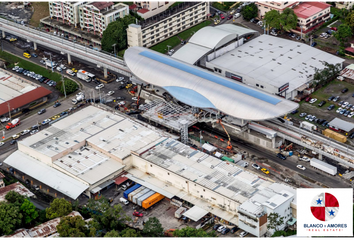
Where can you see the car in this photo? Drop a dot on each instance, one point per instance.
(308, 117)
(243, 234)
(74, 70)
(216, 226)
(229, 17)
(322, 103)
(313, 44)
(265, 170)
(301, 167)
(221, 228)
(120, 79)
(15, 68)
(13, 142)
(330, 107)
(351, 114)
(281, 156)
(303, 114)
(59, 69)
(313, 118)
(34, 131)
(346, 113)
(216, 21)
(336, 99)
(16, 136)
(121, 87)
(99, 86)
(340, 103)
(304, 158)
(24, 132)
(34, 55)
(345, 104)
(351, 136)
(183, 42)
(5, 119)
(334, 28)
(307, 99)
(63, 114)
(120, 98)
(12, 39)
(225, 231)
(344, 90)
(339, 110)
(41, 111)
(46, 121)
(137, 214)
(313, 100)
(325, 124)
(222, 16)
(57, 104)
(342, 111)
(349, 106)
(322, 121)
(234, 229)
(110, 93)
(134, 98)
(274, 34)
(1, 144)
(256, 166)
(80, 105)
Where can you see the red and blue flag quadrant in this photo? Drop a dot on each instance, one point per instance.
(324, 206)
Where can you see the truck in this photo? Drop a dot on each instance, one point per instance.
(328, 168)
(179, 212)
(224, 158)
(334, 135)
(86, 76)
(13, 123)
(152, 200)
(133, 193)
(145, 196)
(78, 99)
(308, 126)
(48, 63)
(129, 190)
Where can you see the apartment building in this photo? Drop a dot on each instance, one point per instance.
(153, 31)
(151, 8)
(95, 16)
(266, 6)
(67, 11)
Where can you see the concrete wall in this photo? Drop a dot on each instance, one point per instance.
(33, 153)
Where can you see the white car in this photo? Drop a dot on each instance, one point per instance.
(99, 86)
(308, 117)
(24, 132)
(350, 114)
(339, 109)
(110, 93)
(313, 100)
(305, 159)
(134, 98)
(303, 114)
(79, 94)
(34, 131)
(119, 79)
(62, 66)
(221, 228)
(345, 104)
(274, 34)
(171, 51)
(59, 69)
(5, 119)
(1, 143)
(301, 167)
(256, 166)
(15, 136)
(121, 103)
(243, 234)
(46, 121)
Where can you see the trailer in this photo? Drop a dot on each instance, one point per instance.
(224, 158)
(328, 168)
(86, 76)
(179, 212)
(125, 194)
(130, 195)
(136, 196)
(152, 200)
(145, 196)
(308, 126)
(334, 135)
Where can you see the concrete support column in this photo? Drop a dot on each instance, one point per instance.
(273, 142)
(105, 72)
(3, 34)
(69, 59)
(320, 156)
(249, 131)
(34, 46)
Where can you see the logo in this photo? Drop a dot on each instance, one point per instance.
(324, 207)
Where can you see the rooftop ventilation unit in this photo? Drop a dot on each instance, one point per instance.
(271, 51)
(56, 148)
(94, 123)
(239, 56)
(70, 166)
(251, 46)
(273, 59)
(261, 49)
(121, 130)
(78, 161)
(56, 142)
(232, 54)
(67, 142)
(281, 46)
(246, 52)
(290, 57)
(261, 57)
(61, 161)
(46, 134)
(293, 69)
(270, 44)
(81, 129)
(279, 63)
(69, 157)
(107, 116)
(281, 55)
(260, 41)
(55, 138)
(299, 52)
(239, 50)
(304, 63)
(290, 49)
(313, 58)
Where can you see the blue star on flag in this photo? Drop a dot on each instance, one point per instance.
(319, 201)
(331, 213)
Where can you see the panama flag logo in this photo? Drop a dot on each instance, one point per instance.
(324, 206)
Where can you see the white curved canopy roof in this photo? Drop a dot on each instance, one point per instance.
(200, 88)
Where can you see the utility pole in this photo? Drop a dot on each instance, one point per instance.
(62, 79)
(168, 48)
(8, 105)
(200, 137)
(51, 62)
(114, 45)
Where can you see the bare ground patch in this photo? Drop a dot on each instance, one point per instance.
(41, 10)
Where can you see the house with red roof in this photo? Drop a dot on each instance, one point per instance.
(147, 9)
(264, 7)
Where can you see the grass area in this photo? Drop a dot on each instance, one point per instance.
(41, 10)
(121, 53)
(220, 6)
(175, 4)
(174, 41)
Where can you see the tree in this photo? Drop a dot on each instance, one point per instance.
(153, 228)
(72, 227)
(349, 20)
(275, 221)
(58, 208)
(10, 218)
(192, 232)
(329, 72)
(272, 19)
(29, 211)
(288, 19)
(70, 86)
(112, 233)
(129, 232)
(249, 11)
(343, 34)
(15, 198)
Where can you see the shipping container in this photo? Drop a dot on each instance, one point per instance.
(328, 168)
(130, 195)
(126, 192)
(334, 135)
(308, 126)
(224, 158)
(152, 200)
(135, 198)
(145, 196)
(179, 212)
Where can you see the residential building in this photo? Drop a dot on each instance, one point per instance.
(170, 23)
(311, 15)
(148, 9)
(67, 11)
(266, 6)
(96, 16)
(347, 4)
(16, 187)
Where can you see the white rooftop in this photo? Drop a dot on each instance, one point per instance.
(275, 61)
(11, 87)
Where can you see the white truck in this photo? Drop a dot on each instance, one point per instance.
(78, 99)
(179, 212)
(328, 168)
(86, 76)
(48, 63)
(308, 126)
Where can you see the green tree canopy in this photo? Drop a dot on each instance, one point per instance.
(275, 221)
(192, 232)
(72, 227)
(288, 19)
(249, 11)
(15, 198)
(58, 208)
(112, 233)
(272, 19)
(129, 232)
(153, 228)
(343, 34)
(10, 218)
(28, 211)
(70, 86)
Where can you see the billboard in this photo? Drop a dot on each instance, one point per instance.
(283, 88)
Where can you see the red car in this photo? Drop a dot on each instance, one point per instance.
(222, 16)
(334, 28)
(137, 214)
(307, 99)
(229, 17)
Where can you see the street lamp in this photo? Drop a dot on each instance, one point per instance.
(114, 45)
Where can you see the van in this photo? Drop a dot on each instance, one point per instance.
(27, 55)
(124, 201)
(237, 15)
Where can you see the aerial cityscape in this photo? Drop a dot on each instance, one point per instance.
(176, 119)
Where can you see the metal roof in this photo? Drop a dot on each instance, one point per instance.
(195, 213)
(201, 88)
(341, 124)
(190, 53)
(46, 174)
(16, 187)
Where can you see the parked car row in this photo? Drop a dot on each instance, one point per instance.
(224, 230)
(33, 75)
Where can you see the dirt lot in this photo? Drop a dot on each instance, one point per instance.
(41, 10)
